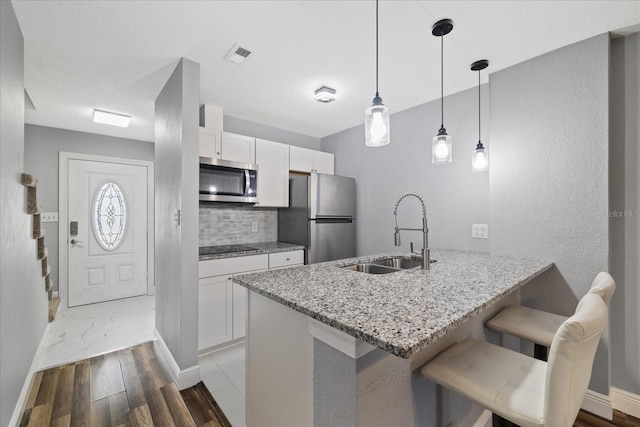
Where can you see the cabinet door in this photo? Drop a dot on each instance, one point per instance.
(323, 162)
(209, 143)
(214, 311)
(238, 148)
(300, 159)
(239, 311)
(273, 173)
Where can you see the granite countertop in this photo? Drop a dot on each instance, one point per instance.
(252, 249)
(400, 312)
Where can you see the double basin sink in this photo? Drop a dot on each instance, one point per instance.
(385, 265)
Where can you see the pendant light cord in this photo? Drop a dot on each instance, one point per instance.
(442, 81)
(478, 105)
(377, 94)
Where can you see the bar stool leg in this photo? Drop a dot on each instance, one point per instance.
(540, 352)
(498, 421)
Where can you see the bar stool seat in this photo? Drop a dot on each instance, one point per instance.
(528, 323)
(521, 389)
(511, 384)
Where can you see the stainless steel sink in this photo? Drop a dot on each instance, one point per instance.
(371, 268)
(385, 265)
(399, 263)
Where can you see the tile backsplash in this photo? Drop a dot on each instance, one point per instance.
(231, 225)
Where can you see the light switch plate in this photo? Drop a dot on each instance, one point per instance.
(254, 226)
(480, 231)
(49, 216)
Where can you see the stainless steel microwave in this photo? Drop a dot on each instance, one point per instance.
(225, 181)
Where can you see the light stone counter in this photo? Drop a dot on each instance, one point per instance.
(401, 312)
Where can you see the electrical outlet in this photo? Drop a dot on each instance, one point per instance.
(480, 231)
(254, 226)
(49, 216)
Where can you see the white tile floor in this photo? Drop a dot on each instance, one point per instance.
(91, 330)
(223, 372)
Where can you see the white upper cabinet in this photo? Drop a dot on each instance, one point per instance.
(273, 173)
(210, 131)
(323, 162)
(305, 160)
(209, 143)
(238, 148)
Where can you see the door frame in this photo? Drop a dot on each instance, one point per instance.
(63, 217)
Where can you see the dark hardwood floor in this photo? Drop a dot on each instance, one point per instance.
(130, 388)
(124, 388)
(586, 419)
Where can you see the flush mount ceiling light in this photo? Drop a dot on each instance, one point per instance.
(376, 117)
(441, 149)
(325, 95)
(109, 118)
(479, 158)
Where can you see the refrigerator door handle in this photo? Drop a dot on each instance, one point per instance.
(329, 220)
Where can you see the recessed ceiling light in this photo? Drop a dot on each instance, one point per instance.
(109, 118)
(325, 94)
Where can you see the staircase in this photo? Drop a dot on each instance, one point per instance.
(37, 233)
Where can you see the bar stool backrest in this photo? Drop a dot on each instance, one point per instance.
(604, 286)
(571, 360)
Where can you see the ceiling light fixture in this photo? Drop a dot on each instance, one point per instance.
(109, 118)
(441, 149)
(325, 95)
(376, 117)
(479, 158)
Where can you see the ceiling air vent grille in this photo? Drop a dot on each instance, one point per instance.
(238, 54)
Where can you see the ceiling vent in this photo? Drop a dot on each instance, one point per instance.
(238, 54)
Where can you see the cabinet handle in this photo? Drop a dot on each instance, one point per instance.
(288, 259)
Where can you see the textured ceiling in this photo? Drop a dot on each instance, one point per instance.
(117, 55)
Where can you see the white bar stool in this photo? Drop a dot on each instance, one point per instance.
(539, 326)
(521, 389)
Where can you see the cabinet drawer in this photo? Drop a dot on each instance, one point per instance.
(285, 259)
(241, 264)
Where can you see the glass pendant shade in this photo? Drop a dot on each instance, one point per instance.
(376, 125)
(480, 159)
(442, 148)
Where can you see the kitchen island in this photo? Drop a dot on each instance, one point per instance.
(327, 345)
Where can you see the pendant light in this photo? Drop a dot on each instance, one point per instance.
(441, 149)
(376, 117)
(479, 158)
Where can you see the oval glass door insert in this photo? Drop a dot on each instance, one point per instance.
(109, 215)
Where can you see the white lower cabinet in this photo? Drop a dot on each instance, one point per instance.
(239, 311)
(214, 311)
(222, 309)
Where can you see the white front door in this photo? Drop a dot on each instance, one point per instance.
(107, 231)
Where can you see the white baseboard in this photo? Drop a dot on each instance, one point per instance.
(183, 378)
(598, 404)
(22, 399)
(485, 419)
(626, 402)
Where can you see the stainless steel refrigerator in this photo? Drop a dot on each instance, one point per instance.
(320, 216)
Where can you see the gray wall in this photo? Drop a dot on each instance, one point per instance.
(455, 196)
(624, 208)
(257, 130)
(176, 187)
(23, 300)
(549, 173)
(42, 145)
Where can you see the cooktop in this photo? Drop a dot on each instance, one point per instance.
(224, 249)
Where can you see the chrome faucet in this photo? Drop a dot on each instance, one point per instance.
(426, 256)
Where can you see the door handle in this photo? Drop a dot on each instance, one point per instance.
(75, 241)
